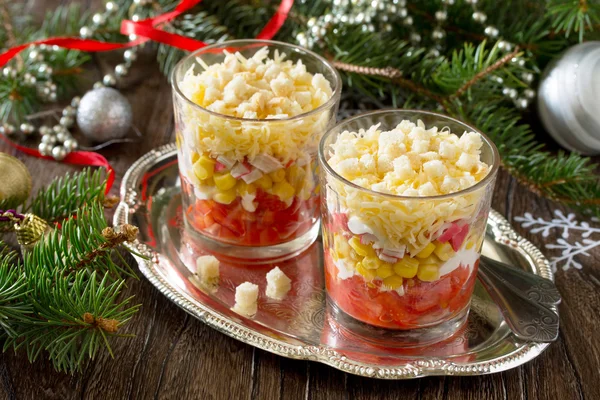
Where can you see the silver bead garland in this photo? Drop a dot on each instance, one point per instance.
(56, 141)
(521, 102)
(379, 15)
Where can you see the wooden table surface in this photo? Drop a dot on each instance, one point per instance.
(175, 356)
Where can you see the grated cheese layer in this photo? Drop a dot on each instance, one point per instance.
(411, 161)
(255, 88)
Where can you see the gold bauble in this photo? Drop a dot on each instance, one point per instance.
(15, 181)
(30, 230)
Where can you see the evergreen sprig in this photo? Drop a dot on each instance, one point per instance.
(65, 252)
(578, 16)
(13, 289)
(63, 299)
(67, 194)
(73, 318)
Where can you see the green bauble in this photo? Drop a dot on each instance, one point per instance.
(15, 182)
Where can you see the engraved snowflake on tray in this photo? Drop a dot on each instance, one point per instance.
(585, 237)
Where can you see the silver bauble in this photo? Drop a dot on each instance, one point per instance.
(568, 98)
(104, 114)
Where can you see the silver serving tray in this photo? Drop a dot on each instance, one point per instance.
(300, 326)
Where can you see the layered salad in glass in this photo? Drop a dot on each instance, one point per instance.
(404, 221)
(248, 127)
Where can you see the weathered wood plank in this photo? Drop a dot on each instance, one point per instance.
(175, 356)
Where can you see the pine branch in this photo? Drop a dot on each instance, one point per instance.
(486, 72)
(73, 318)
(67, 194)
(56, 303)
(569, 179)
(84, 243)
(13, 289)
(574, 16)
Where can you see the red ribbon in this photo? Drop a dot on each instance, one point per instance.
(145, 30)
(75, 158)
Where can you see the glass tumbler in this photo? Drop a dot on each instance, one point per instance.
(374, 284)
(224, 205)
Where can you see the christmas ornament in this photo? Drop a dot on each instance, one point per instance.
(16, 181)
(29, 230)
(104, 114)
(568, 99)
(56, 141)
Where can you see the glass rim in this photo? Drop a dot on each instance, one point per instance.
(482, 183)
(328, 104)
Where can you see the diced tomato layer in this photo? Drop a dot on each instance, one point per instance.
(423, 303)
(272, 223)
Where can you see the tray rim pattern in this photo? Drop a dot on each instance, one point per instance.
(320, 353)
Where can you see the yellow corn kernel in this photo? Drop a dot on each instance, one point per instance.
(340, 246)
(296, 176)
(265, 182)
(426, 252)
(224, 181)
(359, 248)
(178, 141)
(407, 267)
(428, 272)
(385, 271)
(204, 168)
(372, 262)
(244, 188)
(444, 251)
(201, 172)
(284, 190)
(432, 259)
(368, 274)
(278, 176)
(393, 282)
(195, 157)
(206, 161)
(226, 197)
